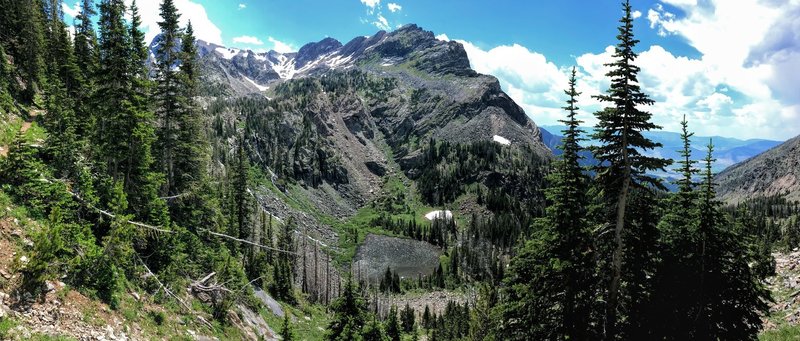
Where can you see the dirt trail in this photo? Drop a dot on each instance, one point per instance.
(24, 128)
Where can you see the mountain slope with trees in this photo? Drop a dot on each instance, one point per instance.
(164, 191)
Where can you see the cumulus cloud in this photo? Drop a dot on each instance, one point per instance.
(759, 60)
(532, 81)
(71, 11)
(636, 14)
(371, 3)
(280, 46)
(242, 6)
(248, 40)
(393, 7)
(204, 28)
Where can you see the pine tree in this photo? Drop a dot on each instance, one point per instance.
(142, 182)
(550, 283)
(191, 160)
(407, 319)
(393, 325)
(284, 264)
(168, 94)
(286, 329)
(669, 313)
(86, 39)
(87, 58)
(732, 294)
(373, 331)
(349, 314)
(27, 45)
(241, 196)
(64, 85)
(622, 168)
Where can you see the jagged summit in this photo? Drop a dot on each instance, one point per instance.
(247, 71)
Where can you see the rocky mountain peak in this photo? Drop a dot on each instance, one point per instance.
(312, 51)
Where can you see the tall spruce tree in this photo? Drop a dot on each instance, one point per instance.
(168, 94)
(622, 168)
(550, 284)
(143, 182)
(732, 295)
(86, 38)
(87, 58)
(349, 314)
(676, 283)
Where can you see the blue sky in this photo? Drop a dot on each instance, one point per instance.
(732, 67)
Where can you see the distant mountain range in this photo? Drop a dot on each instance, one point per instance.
(728, 151)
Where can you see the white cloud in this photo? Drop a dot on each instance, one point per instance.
(393, 7)
(382, 23)
(532, 81)
(248, 40)
(280, 46)
(371, 3)
(636, 14)
(760, 60)
(443, 37)
(204, 28)
(71, 11)
(242, 6)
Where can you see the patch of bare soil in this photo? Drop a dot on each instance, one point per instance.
(58, 311)
(785, 287)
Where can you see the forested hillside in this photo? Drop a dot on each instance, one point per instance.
(379, 189)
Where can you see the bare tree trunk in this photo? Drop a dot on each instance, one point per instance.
(316, 274)
(616, 260)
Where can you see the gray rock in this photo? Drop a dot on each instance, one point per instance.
(268, 301)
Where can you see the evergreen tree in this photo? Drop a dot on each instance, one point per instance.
(64, 85)
(241, 196)
(168, 94)
(622, 168)
(349, 314)
(86, 39)
(6, 99)
(732, 294)
(284, 264)
(550, 284)
(27, 44)
(676, 281)
(373, 331)
(142, 181)
(407, 319)
(87, 58)
(393, 325)
(286, 329)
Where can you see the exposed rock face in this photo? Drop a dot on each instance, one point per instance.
(334, 110)
(774, 172)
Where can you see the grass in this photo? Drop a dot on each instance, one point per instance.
(6, 324)
(786, 332)
(311, 329)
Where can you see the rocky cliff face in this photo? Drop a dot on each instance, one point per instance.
(774, 172)
(328, 115)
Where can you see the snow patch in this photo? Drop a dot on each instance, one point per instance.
(260, 57)
(285, 67)
(501, 140)
(439, 214)
(260, 87)
(227, 53)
